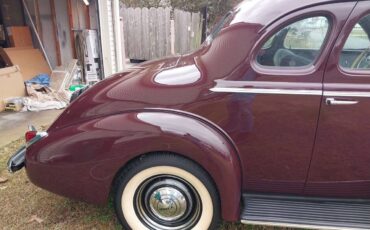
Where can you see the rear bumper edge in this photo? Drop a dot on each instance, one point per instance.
(17, 161)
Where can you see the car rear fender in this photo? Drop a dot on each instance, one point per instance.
(89, 154)
(193, 138)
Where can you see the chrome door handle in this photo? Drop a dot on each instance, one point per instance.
(333, 101)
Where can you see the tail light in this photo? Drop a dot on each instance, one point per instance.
(30, 135)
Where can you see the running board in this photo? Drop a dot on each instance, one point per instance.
(308, 213)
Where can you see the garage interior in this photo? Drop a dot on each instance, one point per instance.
(48, 50)
(51, 45)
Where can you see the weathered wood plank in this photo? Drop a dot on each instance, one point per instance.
(188, 31)
(137, 33)
(152, 33)
(145, 40)
(179, 32)
(167, 31)
(160, 35)
(196, 32)
(131, 31)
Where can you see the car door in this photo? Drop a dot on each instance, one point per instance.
(279, 115)
(341, 161)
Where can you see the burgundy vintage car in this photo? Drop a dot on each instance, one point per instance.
(267, 123)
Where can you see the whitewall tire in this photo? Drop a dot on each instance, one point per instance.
(165, 191)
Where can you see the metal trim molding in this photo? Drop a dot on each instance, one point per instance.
(346, 94)
(268, 91)
(307, 92)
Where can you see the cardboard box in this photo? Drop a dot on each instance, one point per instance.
(11, 84)
(20, 36)
(30, 61)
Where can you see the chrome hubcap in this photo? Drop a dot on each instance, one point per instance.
(167, 202)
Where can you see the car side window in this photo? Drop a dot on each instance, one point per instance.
(356, 51)
(296, 45)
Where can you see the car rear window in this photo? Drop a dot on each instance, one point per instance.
(296, 45)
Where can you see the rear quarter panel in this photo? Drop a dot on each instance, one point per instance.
(80, 161)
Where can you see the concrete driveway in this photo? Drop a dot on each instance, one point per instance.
(13, 125)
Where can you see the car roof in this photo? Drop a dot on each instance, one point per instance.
(264, 12)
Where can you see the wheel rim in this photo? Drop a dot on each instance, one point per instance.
(167, 202)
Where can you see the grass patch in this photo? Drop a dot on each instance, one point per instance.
(25, 206)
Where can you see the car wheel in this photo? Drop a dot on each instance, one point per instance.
(165, 191)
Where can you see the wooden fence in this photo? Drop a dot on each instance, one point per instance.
(151, 33)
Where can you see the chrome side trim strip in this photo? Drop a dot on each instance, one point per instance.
(287, 225)
(346, 94)
(268, 91)
(291, 92)
(267, 84)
